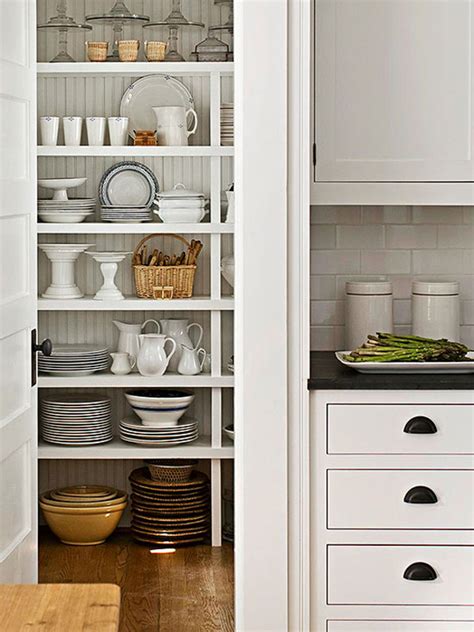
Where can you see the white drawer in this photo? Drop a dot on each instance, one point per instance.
(374, 575)
(400, 626)
(392, 499)
(382, 429)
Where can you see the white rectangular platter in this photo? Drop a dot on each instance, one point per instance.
(427, 368)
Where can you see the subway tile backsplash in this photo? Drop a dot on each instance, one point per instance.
(397, 242)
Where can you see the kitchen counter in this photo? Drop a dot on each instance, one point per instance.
(327, 373)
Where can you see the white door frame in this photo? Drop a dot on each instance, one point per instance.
(299, 182)
(260, 318)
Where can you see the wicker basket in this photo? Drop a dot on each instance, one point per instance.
(128, 50)
(155, 51)
(162, 282)
(171, 472)
(97, 51)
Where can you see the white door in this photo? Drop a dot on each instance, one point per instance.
(393, 90)
(18, 531)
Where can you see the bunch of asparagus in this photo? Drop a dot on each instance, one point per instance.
(392, 348)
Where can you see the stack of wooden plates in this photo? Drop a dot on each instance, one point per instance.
(169, 514)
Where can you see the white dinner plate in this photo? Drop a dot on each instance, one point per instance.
(128, 183)
(157, 443)
(148, 92)
(420, 368)
(76, 349)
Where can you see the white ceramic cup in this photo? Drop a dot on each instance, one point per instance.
(49, 128)
(72, 130)
(118, 130)
(95, 130)
(172, 124)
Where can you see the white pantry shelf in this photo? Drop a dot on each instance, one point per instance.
(132, 304)
(132, 69)
(118, 449)
(134, 380)
(104, 228)
(127, 151)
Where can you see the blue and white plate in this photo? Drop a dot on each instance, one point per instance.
(128, 184)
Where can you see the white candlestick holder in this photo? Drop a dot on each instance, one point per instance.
(108, 266)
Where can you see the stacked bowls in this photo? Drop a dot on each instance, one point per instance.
(170, 513)
(83, 515)
(181, 206)
(72, 211)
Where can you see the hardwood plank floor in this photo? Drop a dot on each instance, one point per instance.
(191, 590)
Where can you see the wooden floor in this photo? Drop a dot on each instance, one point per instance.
(191, 590)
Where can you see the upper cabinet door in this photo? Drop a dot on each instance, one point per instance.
(393, 90)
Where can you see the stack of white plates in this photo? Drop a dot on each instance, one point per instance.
(76, 419)
(227, 124)
(125, 214)
(71, 211)
(74, 360)
(132, 430)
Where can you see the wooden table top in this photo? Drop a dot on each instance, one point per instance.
(59, 607)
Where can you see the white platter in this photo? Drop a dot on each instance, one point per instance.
(410, 368)
(146, 93)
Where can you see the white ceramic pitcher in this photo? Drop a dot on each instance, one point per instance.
(152, 358)
(190, 362)
(179, 330)
(128, 337)
(172, 124)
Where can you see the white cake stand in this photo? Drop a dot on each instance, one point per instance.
(108, 266)
(61, 185)
(63, 257)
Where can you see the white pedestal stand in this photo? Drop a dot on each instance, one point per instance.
(108, 266)
(63, 257)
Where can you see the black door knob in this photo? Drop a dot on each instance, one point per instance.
(46, 347)
(420, 572)
(420, 425)
(420, 495)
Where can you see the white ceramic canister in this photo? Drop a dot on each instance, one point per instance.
(369, 309)
(436, 311)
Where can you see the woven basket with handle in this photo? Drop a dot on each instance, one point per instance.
(163, 281)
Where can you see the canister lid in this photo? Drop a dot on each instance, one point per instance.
(368, 287)
(436, 288)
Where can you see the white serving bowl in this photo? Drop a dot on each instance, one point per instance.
(181, 216)
(180, 203)
(154, 398)
(160, 419)
(63, 218)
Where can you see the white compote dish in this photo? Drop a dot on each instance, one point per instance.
(60, 186)
(108, 266)
(63, 257)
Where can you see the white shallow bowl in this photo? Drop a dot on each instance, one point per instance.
(160, 418)
(181, 216)
(181, 203)
(159, 398)
(63, 218)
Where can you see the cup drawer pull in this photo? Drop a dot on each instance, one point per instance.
(420, 495)
(420, 572)
(420, 425)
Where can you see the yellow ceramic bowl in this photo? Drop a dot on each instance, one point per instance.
(82, 526)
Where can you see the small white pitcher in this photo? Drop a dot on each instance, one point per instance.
(190, 364)
(122, 363)
(172, 124)
(152, 359)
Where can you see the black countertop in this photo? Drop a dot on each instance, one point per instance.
(328, 373)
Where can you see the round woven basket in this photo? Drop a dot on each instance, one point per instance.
(171, 471)
(128, 50)
(97, 51)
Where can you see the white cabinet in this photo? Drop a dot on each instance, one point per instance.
(391, 511)
(393, 90)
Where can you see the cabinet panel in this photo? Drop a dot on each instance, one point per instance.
(393, 90)
(392, 499)
(380, 429)
(375, 575)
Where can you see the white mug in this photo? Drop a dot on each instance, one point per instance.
(72, 130)
(95, 130)
(172, 124)
(49, 127)
(118, 130)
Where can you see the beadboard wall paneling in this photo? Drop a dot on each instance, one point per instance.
(397, 242)
(204, 11)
